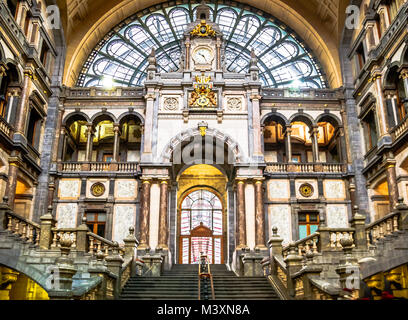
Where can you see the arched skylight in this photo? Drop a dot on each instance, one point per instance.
(284, 60)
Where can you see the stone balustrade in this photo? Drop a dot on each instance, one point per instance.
(6, 128)
(124, 167)
(383, 227)
(26, 230)
(306, 168)
(337, 234)
(78, 92)
(58, 234)
(399, 130)
(274, 93)
(302, 246)
(97, 243)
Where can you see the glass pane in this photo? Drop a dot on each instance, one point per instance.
(102, 217)
(302, 217)
(201, 216)
(185, 222)
(313, 218)
(313, 228)
(185, 250)
(302, 232)
(198, 245)
(90, 217)
(217, 251)
(101, 230)
(217, 223)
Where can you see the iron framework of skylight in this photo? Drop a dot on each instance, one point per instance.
(284, 60)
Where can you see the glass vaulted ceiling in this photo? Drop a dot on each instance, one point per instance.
(284, 60)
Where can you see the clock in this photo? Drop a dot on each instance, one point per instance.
(203, 56)
(306, 190)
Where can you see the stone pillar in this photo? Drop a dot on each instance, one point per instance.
(163, 225)
(47, 223)
(392, 183)
(381, 111)
(114, 264)
(358, 223)
(241, 217)
(288, 143)
(259, 216)
(256, 124)
(62, 145)
(116, 143)
(82, 239)
(145, 214)
(11, 185)
(89, 142)
(23, 104)
(131, 243)
(293, 264)
(392, 108)
(57, 151)
(275, 243)
(148, 129)
(315, 144)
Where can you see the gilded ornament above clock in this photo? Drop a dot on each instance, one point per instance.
(203, 30)
(306, 190)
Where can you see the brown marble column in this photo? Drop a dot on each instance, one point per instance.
(23, 104)
(163, 226)
(392, 184)
(259, 216)
(241, 219)
(11, 185)
(145, 214)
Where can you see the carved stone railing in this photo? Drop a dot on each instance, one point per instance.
(78, 92)
(6, 128)
(306, 167)
(383, 227)
(58, 234)
(28, 231)
(337, 234)
(304, 245)
(97, 243)
(399, 130)
(125, 167)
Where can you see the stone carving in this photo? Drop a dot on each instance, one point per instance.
(337, 216)
(125, 189)
(171, 104)
(66, 215)
(124, 218)
(69, 188)
(234, 104)
(306, 190)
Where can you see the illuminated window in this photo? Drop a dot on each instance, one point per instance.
(284, 60)
(96, 222)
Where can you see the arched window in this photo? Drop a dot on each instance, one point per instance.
(201, 227)
(284, 60)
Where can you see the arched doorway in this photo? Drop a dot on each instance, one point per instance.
(201, 227)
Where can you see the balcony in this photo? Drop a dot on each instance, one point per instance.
(120, 167)
(331, 168)
(5, 128)
(400, 130)
(316, 94)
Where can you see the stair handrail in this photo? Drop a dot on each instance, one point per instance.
(204, 273)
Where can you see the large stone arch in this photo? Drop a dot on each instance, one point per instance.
(131, 113)
(278, 117)
(174, 142)
(303, 117)
(75, 116)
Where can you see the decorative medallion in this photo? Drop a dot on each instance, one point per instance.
(306, 190)
(203, 30)
(203, 96)
(234, 104)
(98, 189)
(171, 104)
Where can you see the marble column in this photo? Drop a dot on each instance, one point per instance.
(288, 143)
(116, 142)
(315, 144)
(381, 111)
(163, 225)
(145, 214)
(392, 183)
(256, 124)
(241, 219)
(11, 185)
(89, 142)
(24, 103)
(259, 216)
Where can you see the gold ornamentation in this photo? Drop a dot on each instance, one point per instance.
(203, 96)
(98, 189)
(306, 190)
(203, 126)
(203, 30)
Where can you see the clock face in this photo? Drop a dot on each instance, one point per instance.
(203, 56)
